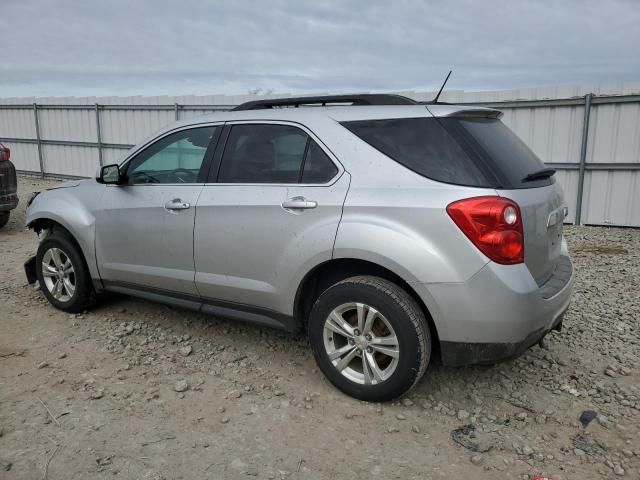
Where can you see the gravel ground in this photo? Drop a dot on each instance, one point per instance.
(139, 390)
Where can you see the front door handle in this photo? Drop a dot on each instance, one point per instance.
(299, 203)
(176, 204)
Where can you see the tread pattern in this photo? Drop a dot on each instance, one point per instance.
(410, 306)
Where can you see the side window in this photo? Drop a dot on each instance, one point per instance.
(257, 153)
(263, 154)
(176, 158)
(318, 168)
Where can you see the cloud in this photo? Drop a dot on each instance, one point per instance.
(151, 47)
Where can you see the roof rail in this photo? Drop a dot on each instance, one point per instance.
(323, 100)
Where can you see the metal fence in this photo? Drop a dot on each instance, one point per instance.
(593, 141)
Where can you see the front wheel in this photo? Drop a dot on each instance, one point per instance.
(370, 338)
(63, 276)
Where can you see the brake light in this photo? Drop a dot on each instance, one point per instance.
(5, 153)
(493, 224)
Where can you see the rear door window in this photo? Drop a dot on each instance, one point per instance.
(271, 153)
(318, 167)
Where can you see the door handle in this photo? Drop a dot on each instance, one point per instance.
(299, 203)
(177, 204)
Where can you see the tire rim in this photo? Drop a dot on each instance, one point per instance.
(58, 274)
(361, 344)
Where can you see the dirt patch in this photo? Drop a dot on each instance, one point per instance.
(134, 390)
(599, 250)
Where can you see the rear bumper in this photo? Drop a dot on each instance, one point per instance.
(8, 201)
(499, 312)
(456, 354)
(8, 186)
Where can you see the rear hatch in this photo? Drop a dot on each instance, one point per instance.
(474, 148)
(522, 177)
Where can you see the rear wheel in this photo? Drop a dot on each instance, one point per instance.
(63, 275)
(370, 338)
(4, 218)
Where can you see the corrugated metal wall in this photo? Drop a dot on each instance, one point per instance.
(554, 131)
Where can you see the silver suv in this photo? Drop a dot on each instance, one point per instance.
(394, 232)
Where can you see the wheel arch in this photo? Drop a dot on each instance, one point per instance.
(332, 271)
(41, 223)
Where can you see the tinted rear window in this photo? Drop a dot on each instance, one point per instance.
(421, 145)
(509, 155)
(462, 151)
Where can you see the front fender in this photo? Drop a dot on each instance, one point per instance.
(64, 207)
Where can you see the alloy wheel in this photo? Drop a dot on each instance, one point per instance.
(58, 274)
(361, 343)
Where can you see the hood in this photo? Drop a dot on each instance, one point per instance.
(69, 184)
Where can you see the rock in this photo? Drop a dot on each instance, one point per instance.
(278, 393)
(5, 465)
(603, 420)
(407, 402)
(238, 464)
(222, 410)
(104, 461)
(62, 355)
(586, 417)
(415, 429)
(235, 394)
(224, 420)
(97, 394)
(392, 429)
(578, 452)
(400, 416)
(185, 351)
(541, 419)
(463, 415)
(610, 373)
(618, 470)
(477, 459)
(43, 364)
(522, 416)
(181, 386)
(251, 471)
(426, 404)
(151, 475)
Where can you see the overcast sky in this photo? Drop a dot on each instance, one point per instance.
(179, 47)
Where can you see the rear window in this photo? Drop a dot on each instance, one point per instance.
(477, 152)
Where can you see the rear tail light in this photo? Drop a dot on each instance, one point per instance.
(5, 153)
(493, 224)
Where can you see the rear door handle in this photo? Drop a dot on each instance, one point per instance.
(176, 204)
(299, 203)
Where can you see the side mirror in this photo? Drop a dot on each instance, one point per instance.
(110, 174)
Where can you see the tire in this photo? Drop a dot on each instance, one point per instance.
(4, 218)
(399, 328)
(60, 249)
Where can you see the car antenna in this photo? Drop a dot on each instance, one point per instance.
(435, 100)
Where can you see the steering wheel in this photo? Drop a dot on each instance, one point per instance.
(177, 175)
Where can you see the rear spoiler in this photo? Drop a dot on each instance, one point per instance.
(476, 113)
(463, 111)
